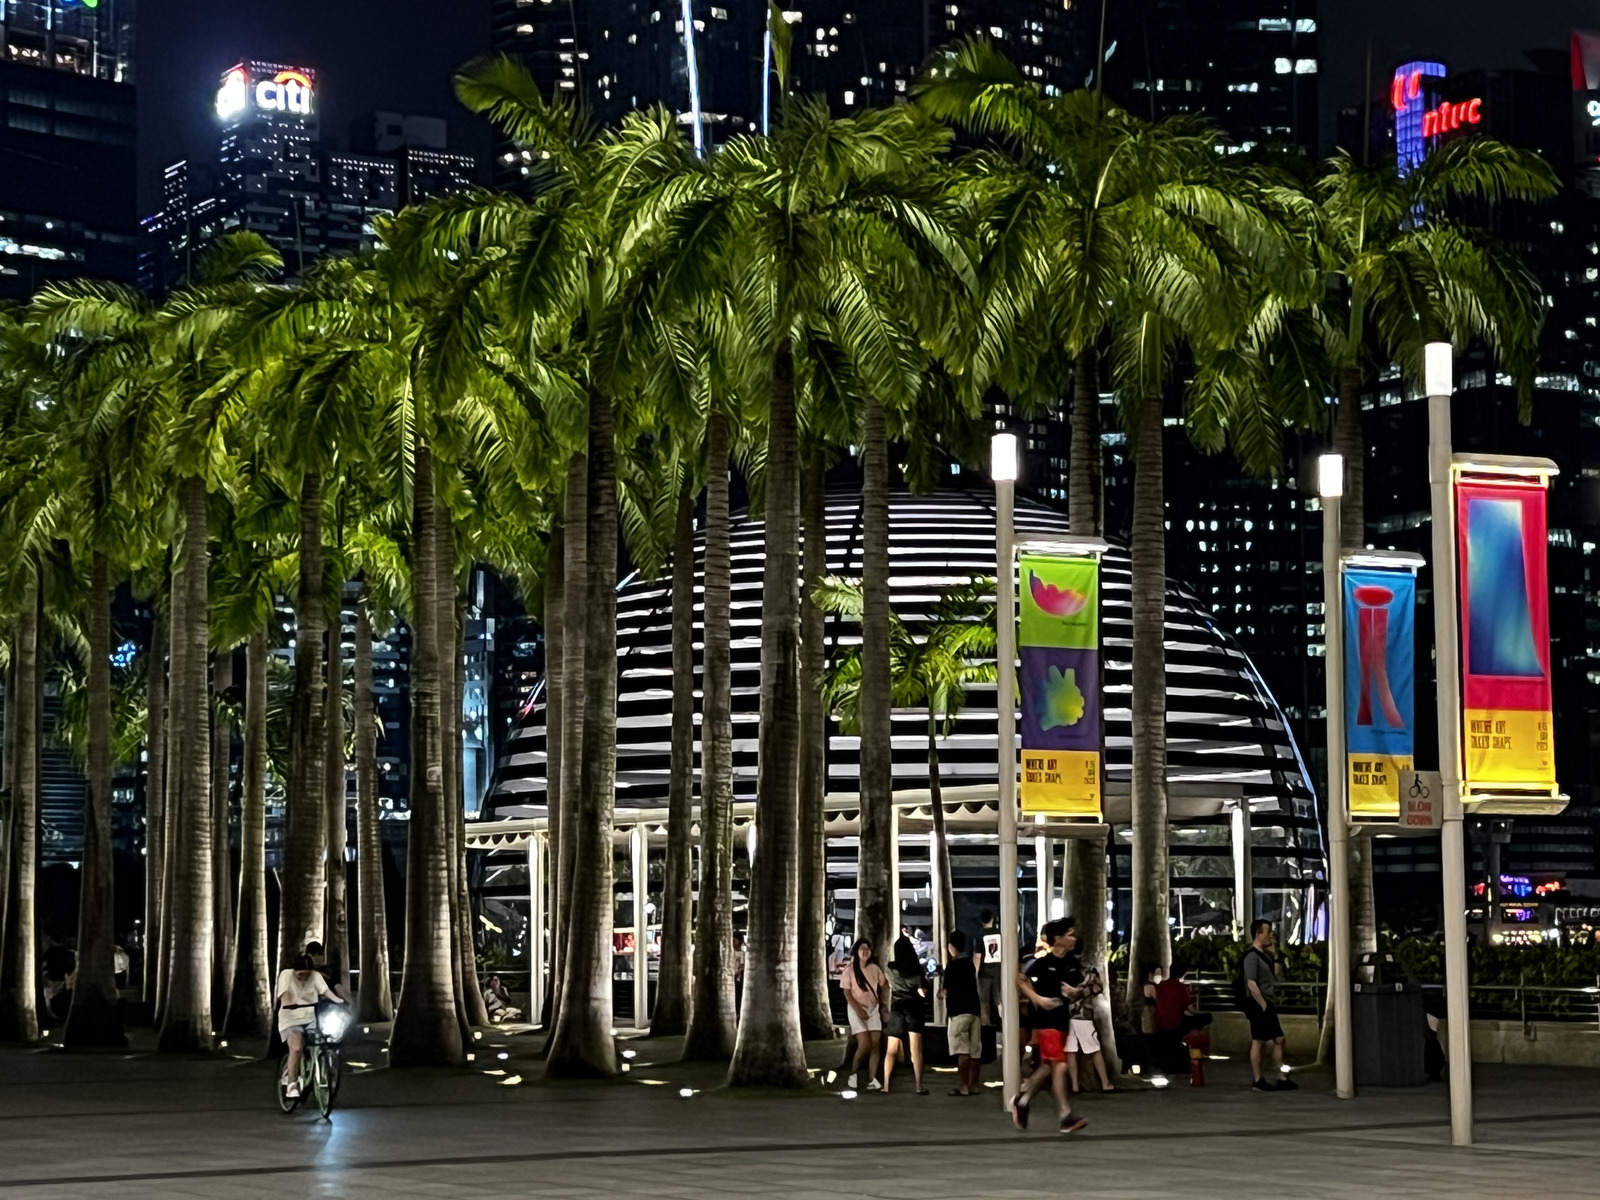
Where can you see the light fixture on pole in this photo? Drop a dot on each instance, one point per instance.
(1438, 382)
(1003, 469)
(1330, 487)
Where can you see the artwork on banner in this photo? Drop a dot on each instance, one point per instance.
(1379, 687)
(1059, 641)
(1505, 635)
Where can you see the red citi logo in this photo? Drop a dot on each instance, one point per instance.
(1450, 116)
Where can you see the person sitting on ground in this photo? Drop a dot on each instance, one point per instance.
(296, 995)
(963, 1014)
(863, 983)
(498, 1001)
(1176, 1010)
(908, 988)
(1047, 983)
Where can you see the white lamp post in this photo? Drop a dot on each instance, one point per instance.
(1003, 468)
(1438, 381)
(1330, 486)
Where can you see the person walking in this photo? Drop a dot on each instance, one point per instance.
(986, 957)
(907, 991)
(863, 983)
(963, 1014)
(1047, 983)
(1259, 969)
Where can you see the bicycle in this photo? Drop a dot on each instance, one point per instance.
(320, 1067)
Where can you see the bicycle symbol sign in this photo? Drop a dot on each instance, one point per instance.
(1421, 800)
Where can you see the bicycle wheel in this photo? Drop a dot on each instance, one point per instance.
(320, 1083)
(285, 1101)
(335, 1068)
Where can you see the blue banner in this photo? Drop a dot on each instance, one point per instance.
(1379, 687)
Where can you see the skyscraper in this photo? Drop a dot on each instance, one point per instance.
(67, 184)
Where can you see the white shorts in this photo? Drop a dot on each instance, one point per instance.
(1082, 1039)
(872, 1024)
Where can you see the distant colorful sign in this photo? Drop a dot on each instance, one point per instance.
(1059, 642)
(271, 88)
(1379, 687)
(1412, 95)
(1505, 635)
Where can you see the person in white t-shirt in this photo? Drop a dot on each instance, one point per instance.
(299, 988)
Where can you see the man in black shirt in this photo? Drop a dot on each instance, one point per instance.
(1049, 983)
(963, 1027)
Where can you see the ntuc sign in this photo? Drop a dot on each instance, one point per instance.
(1448, 117)
(267, 88)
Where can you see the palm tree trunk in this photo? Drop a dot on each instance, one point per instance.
(221, 867)
(770, 1051)
(168, 833)
(1151, 945)
(8, 783)
(186, 1024)
(554, 711)
(155, 797)
(582, 1043)
(373, 1000)
(477, 1012)
(426, 1031)
(712, 1013)
(305, 836)
(1085, 486)
(576, 601)
(671, 1012)
(449, 730)
(96, 1018)
(19, 979)
(250, 1002)
(947, 891)
(336, 806)
(874, 886)
(816, 1016)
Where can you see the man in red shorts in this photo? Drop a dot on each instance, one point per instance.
(1049, 982)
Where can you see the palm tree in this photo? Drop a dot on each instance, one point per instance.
(19, 1020)
(816, 1014)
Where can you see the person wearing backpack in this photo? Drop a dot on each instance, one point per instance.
(1258, 978)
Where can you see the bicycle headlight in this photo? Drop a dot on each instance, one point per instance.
(333, 1023)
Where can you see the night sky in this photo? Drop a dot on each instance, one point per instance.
(399, 54)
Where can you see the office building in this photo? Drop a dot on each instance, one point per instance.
(67, 131)
(275, 175)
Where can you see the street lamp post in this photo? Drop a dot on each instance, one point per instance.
(1439, 383)
(1003, 468)
(1330, 486)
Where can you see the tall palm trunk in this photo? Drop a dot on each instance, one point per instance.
(336, 807)
(947, 891)
(305, 836)
(186, 1023)
(221, 866)
(555, 641)
(8, 783)
(477, 1012)
(1151, 944)
(712, 1014)
(96, 1018)
(1086, 857)
(250, 1002)
(450, 753)
(426, 1031)
(373, 1000)
(816, 1016)
(177, 648)
(155, 800)
(875, 919)
(19, 979)
(576, 579)
(582, 1043)
(769, 1050)
(671, 1012)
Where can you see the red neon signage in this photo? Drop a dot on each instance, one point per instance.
(1448, 117)
(1407, 87)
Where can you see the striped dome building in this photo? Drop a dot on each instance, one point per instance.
(1244, 835)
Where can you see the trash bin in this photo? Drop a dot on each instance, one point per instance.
(1388, 1024)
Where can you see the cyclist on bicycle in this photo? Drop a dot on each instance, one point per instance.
(299, 988)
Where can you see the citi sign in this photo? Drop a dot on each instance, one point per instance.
(285, 90)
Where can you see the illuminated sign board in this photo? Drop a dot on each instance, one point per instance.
(1448, 117)
(268, 89)
(1413, 96)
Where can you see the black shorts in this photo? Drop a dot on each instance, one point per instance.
(1264, 1024)
(903, 1021)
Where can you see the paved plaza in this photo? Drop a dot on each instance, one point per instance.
(136, 1125)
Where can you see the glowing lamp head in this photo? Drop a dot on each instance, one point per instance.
(1330, 476)
(1438, 369)
(1003, 457)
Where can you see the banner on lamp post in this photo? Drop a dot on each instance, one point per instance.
(1059, 643)
(1379, 688)
(1506, 742)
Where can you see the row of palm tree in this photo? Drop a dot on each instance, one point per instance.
(524, 380)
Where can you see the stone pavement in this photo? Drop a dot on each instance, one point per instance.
(136, 1125)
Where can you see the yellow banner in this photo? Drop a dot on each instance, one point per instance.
(1061, 783)
(1373, 784)
(1509, 746)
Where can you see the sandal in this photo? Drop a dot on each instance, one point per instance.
(923, 1092)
